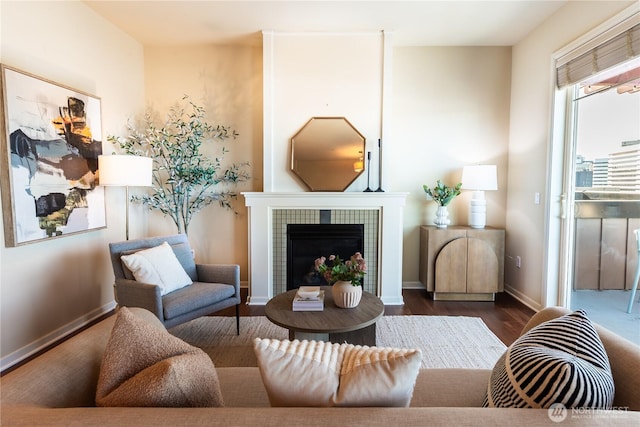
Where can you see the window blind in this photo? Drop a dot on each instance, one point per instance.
(573, 68)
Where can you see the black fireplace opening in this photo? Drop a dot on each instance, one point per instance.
(306, 242)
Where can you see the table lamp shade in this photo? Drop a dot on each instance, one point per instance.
(125, 170)
(479, 178)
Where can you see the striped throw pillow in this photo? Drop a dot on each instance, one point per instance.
(560, 361)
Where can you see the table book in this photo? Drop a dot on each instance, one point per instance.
(309, 303)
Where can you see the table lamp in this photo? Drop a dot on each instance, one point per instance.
(479, 178)
(125, 171)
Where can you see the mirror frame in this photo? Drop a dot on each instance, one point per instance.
(330, 160)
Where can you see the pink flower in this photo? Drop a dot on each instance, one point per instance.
(352, 270)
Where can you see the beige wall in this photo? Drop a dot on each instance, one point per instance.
(450, 109)
(530, 118)
(51, 287)
(227, 81)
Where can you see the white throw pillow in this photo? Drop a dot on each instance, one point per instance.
(158, 266)
(316, 373)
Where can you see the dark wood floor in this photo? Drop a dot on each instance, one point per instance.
(505, 316)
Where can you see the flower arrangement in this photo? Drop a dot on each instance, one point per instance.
(352, 270)
(442, 194)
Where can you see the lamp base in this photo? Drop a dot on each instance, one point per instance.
(477, 210)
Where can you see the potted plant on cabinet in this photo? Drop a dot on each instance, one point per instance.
(442, 195)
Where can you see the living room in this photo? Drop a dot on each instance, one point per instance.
(490, 104)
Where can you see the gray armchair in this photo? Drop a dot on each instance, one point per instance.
(215, 286)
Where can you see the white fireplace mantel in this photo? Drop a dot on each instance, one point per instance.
(261, 206)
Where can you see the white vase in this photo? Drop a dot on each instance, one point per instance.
(345, 295)
(442, 217)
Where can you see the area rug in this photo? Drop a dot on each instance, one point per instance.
(445, 341)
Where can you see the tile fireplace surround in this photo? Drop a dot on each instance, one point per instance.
(262, 270)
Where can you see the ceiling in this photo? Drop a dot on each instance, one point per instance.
(424, 23)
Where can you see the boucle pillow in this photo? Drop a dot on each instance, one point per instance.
(158, 266)
(562, 361)
(316, 373)
(144, 365)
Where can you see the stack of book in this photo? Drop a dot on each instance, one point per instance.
(309, 298)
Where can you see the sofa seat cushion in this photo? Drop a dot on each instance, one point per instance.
(144, 365)
(316, 373)
(198, 295)
(157, 266)
(559, 362)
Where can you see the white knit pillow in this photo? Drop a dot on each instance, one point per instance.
(158, 266)
(316, 373)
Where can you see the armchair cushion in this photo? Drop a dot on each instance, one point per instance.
(198, 295)
(144, 365)
(158, 266)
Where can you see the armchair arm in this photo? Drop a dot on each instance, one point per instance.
(220, 273)
(130, 293)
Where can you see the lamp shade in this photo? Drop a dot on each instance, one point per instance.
(125, 170)
(480, 177)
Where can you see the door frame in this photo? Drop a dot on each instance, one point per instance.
(559, 206)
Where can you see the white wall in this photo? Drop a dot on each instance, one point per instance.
(450, 108)
(51, 287)
(532, 88)
(320, 74)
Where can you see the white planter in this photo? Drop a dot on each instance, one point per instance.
(345, 295)
(442, 217)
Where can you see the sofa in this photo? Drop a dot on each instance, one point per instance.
(59, 388)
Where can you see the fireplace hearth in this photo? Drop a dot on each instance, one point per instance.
(306, 242)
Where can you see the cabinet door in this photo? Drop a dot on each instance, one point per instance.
(451, 267)
(482, 267)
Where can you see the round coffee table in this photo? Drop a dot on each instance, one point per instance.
(353, 325)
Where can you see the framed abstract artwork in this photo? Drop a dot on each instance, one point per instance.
(49, 172)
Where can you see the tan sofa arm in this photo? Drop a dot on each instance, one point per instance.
(544, 315)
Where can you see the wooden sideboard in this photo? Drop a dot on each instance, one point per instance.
(462, 263)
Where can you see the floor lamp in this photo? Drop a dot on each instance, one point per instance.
(125, 171)
(479, 178)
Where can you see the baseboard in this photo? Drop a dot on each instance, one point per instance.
(412, 285)
(51, 338)
(533, 305)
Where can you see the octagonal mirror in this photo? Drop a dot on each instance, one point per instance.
(327, 153)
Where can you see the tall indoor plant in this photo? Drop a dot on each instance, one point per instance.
(185, 180)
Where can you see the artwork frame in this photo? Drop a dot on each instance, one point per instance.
(51, 140)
